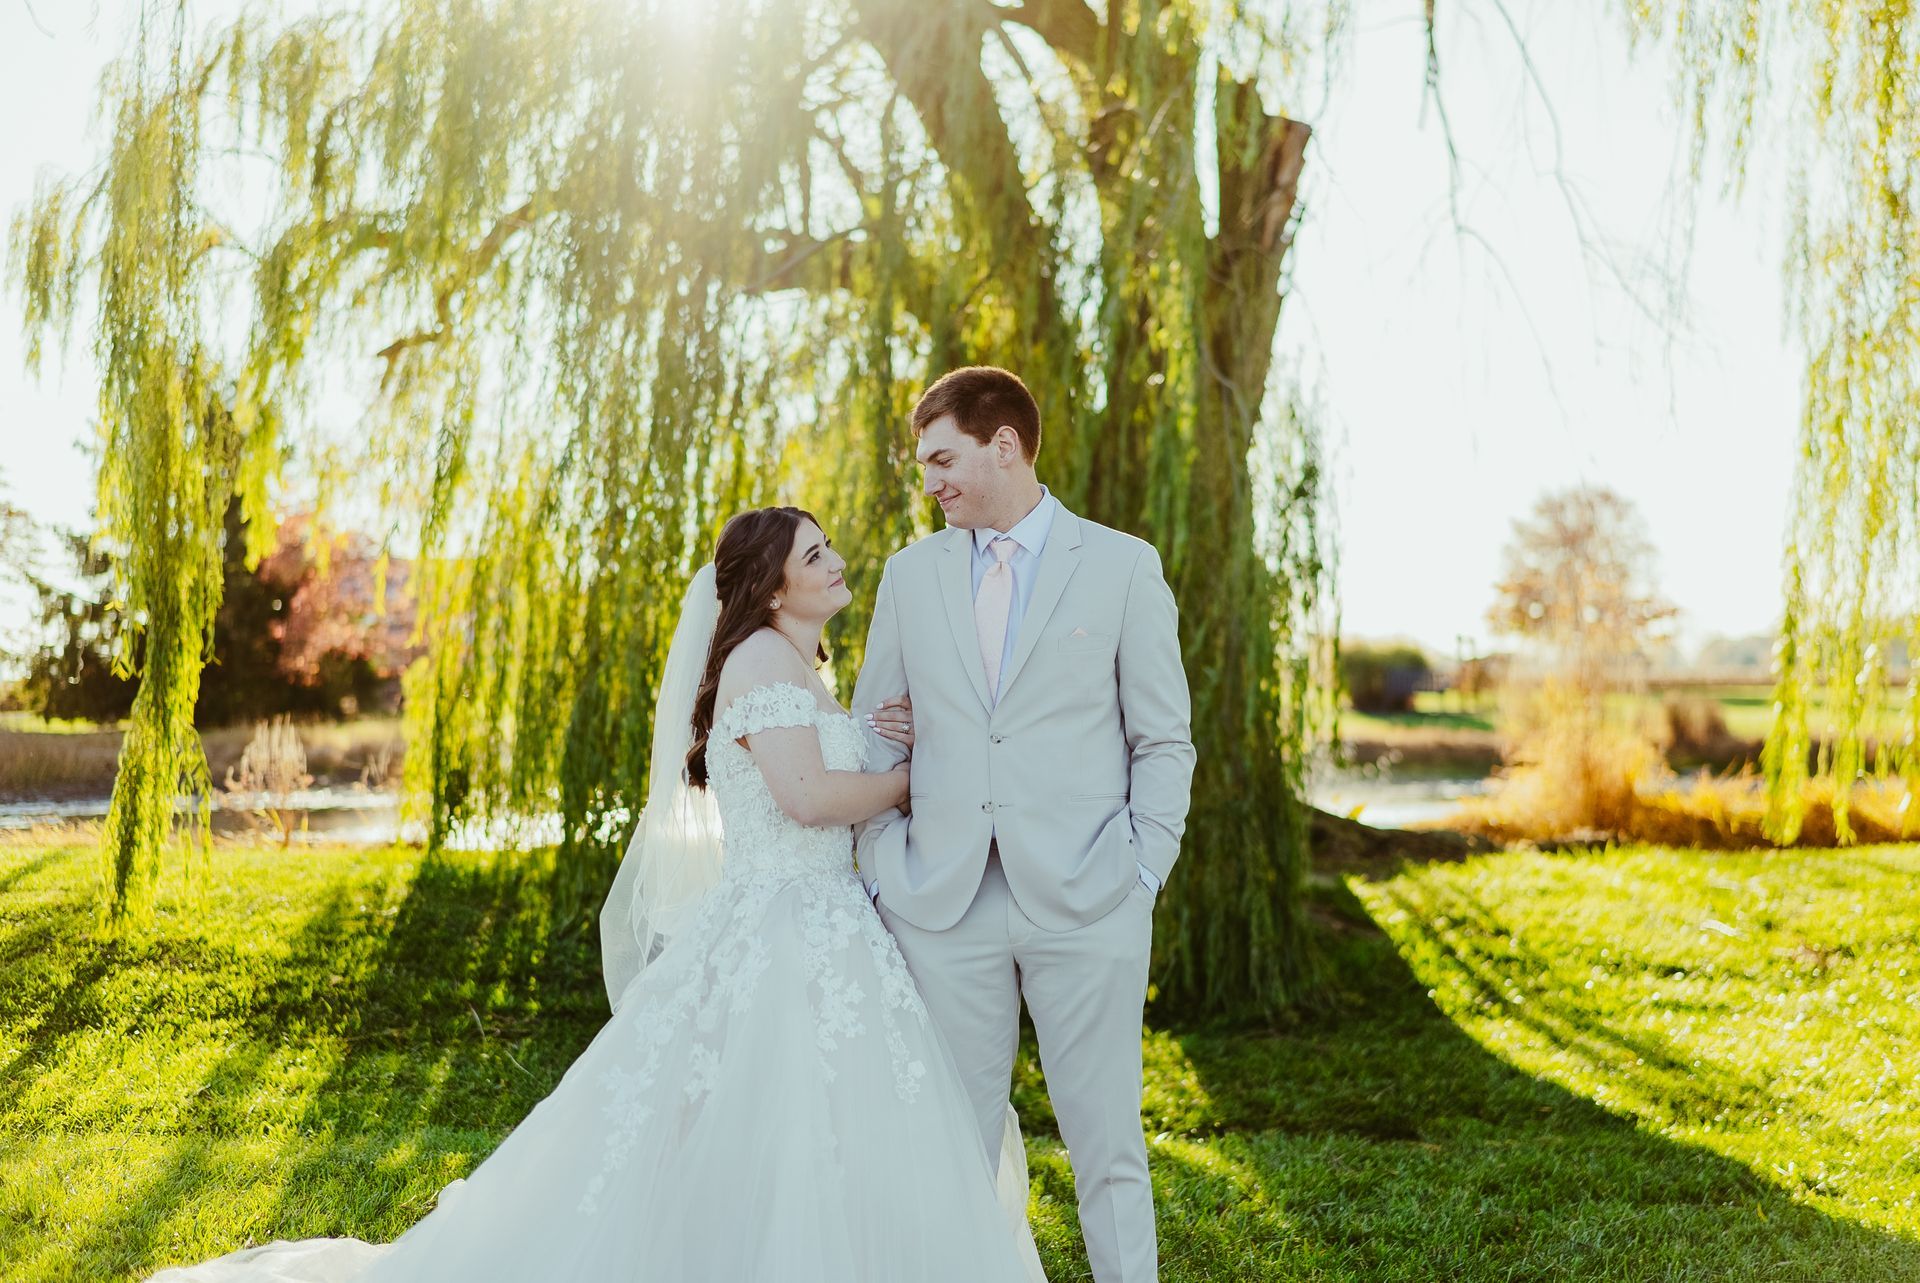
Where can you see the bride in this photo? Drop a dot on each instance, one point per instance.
(770, 1100)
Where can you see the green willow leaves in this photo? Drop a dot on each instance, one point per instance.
(1839, 84)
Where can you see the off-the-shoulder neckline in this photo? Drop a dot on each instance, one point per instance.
(812, 698)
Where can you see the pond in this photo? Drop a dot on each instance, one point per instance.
(353, 815)
(372, 817)
(1392, 801)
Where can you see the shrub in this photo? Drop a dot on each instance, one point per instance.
(1693, 729)
(1382, 679)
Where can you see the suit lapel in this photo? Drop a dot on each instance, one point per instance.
(1057, 562)
(956, 589)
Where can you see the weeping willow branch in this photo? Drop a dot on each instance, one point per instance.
(1073, 29)
(1841, 80)
(477, 262)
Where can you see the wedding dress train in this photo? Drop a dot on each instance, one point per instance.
(769, 1101)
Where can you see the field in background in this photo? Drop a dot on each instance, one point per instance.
(1448, 732)
(1445, 735)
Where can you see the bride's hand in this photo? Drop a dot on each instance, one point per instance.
(893, 718)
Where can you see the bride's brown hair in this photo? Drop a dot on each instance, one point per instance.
(749, 570)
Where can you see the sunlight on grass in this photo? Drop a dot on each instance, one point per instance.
(1760, 1006)
(1623, 1066)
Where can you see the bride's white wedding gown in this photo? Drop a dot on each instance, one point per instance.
(769, 1102)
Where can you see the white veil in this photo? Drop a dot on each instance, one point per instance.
(674, 856)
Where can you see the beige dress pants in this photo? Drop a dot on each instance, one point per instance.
(1085, 989)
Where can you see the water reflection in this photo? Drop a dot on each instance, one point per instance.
(372, 817)
(1390, 802)
(356, 816)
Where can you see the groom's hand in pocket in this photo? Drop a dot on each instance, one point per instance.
(1147, 879)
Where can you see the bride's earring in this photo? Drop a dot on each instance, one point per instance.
(774, 604)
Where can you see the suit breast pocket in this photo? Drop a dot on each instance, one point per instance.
(1088, 661)
(1079, 642)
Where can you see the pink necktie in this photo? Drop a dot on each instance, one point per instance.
(991, 606)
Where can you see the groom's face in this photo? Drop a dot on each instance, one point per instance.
(966, 477)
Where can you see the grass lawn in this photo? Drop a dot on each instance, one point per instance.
(1433, 711)
(1629, 1065)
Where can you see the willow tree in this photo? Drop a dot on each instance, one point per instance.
(605, 272)
(1840, 84)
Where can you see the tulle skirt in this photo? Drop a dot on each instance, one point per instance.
(768, 1102)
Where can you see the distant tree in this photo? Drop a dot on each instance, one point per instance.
(18, 542)
(1577, 589)
(302, 633)
(1481, 675)
(1578, 584)
(1751, 655)
(347, 631)
(70, 672)
(19, 557)
(245, 680)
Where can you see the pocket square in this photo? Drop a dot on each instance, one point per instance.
(1078, 632)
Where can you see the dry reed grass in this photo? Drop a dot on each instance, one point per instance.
(34, 763)
(82, 764)
(1573, 774)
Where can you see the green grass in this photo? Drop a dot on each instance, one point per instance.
(1748, 710)
(1531, 1067)
(1432, 711)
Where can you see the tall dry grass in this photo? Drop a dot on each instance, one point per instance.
(272, 768)
(36, 763)
(52, 764)
(1575, 771)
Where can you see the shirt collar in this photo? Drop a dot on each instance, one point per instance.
(1030, 532)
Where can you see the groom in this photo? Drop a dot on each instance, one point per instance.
(1051, 768)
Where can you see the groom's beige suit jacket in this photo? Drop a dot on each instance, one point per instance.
(1081, 769)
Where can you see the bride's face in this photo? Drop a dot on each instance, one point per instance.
(816, 587)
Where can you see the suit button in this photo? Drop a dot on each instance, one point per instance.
(996, 739)
(987, 807)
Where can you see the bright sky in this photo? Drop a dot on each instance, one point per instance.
(1458, 374)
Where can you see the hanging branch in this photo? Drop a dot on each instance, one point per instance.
(475, 263)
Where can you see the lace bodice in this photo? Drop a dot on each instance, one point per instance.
(760, 836)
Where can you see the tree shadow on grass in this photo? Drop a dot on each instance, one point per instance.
(1374, 1141)
(470, 1008)
(28, 867)
(97, 992)
(464, 1016)
(453, 1023)
(1377, 1140)
(441, 1005)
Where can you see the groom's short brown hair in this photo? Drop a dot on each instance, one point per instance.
(982, 399)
